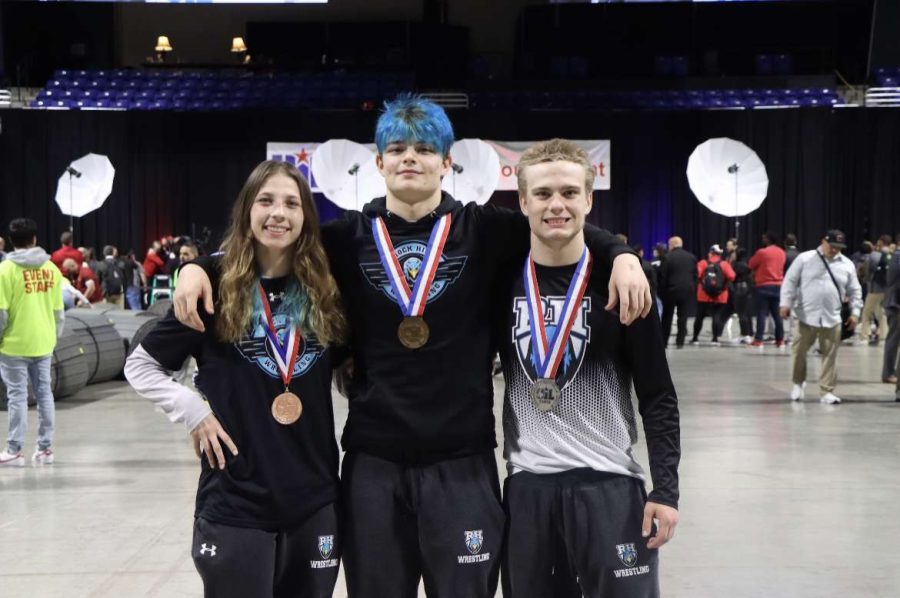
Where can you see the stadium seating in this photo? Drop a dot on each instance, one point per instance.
(239, 90)
(215, 90)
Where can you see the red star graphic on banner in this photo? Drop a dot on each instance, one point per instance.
(302, 156)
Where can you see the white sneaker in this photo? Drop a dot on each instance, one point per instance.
(797, 393)
(42, 457)
(830, 399)
(8, 459)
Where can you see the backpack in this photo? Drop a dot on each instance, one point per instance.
(879, 277)
(113, 278)
(713, 279)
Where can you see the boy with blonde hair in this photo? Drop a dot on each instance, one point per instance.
(579, 519)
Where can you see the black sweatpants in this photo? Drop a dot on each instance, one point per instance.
(891, 344)
(442, 522)
(242, 562)
(681, 299)
(577, 533)
(715, 311)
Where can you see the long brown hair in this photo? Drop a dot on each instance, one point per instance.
(324, 314)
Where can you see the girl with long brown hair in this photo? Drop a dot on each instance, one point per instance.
(261, 418)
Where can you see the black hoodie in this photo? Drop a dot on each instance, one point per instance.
(437, 401)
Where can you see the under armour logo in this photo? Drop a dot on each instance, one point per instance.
(204, 549)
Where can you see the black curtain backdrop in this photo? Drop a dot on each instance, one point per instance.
(179, 172)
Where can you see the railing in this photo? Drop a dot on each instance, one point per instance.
(883, 96)
(448, 99)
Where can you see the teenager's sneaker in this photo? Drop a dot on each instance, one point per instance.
(797, 392)
(42, 457)
(8, 459)
(746, 340)
(830, 399)
(758, 345)
(695, 342)
(779, 345)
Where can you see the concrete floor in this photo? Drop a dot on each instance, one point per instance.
(778, 499)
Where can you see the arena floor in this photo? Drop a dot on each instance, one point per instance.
(778, 499)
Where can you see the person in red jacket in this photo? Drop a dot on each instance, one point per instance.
(66, 251)
(713, 276)
(153, 263)
(767, 265)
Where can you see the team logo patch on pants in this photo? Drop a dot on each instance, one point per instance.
(326, 545)
(326, 548)
(474, 544)
(628, 556)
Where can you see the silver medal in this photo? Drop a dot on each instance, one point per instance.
(545, 394)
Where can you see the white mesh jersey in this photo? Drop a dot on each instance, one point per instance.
(593, 425)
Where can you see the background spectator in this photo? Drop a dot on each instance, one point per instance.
(154, 262)
(876, 274)
(111, 276)
(713, 275)
(767, 265)
(66, 251)
(677, 285)
(816, 285)
(83, 279)
(134, 281)
(741, 300)
(892, 308)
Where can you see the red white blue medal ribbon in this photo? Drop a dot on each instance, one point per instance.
(547, 353)
(285, 354)
(411, 302)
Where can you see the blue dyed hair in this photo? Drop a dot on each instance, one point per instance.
(293, 305)
(412, 119)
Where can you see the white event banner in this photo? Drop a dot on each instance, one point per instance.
(510, 152)
(598, 150)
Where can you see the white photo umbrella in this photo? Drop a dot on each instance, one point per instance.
(727, 177)
(371, 183)
(476, 171)
(85, 185)
(342, 170)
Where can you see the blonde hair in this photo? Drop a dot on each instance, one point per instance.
(323, 313)
(554, 150)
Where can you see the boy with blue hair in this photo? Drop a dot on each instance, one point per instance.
(415, 269)
(413, 118)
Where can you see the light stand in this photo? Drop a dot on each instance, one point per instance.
(457, 169)
(733, 169)
(354, 171)
(72, 173)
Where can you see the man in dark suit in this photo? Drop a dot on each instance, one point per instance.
(677, 285)
(892, 308)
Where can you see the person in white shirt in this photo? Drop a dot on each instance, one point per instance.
(816, 285)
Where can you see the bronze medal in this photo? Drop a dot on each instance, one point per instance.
(287, 408)
(413, 332)
(545, 394)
